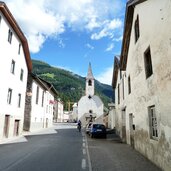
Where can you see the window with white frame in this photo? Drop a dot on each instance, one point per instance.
(136, 29)
(19, 48)
(21, 74)
(9, 96)
(148, 63)
(43, 95)
(129, 84)
(118, 93)
(19, 100)
(153, 122)
(10, 36)
(123, 95)
(12, 66)
(37, 95)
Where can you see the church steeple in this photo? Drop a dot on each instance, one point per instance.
(89, 82)
(90, 73)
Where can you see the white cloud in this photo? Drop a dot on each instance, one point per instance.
(42, 19)
(89, 46)
(108, 29)
(110, 47)
(106, 76)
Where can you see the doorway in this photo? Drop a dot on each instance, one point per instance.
(46, 122)
(131, 129)
(16, 127)
(124, 125)
(6, 125)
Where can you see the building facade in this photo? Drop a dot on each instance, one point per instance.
(142, 80)
(14, 68)
(39, 105)
(59, 111)
(90, 106)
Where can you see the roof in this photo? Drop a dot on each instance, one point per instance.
(90, 73)
(127, 30)
(11, 20)
(115, 71)
(46, 85)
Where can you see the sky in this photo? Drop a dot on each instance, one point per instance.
(69, 34)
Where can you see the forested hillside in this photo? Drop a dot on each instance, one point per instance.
(69, 85)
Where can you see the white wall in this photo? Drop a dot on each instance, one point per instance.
(154, 20)
(8, 53)
(41, 116)
(60, 111)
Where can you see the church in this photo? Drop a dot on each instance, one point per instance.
(90, 106)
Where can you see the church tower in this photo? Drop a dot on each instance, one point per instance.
(89, 83)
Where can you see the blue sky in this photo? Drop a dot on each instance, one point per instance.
(71, 33)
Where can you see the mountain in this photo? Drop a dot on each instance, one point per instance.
(70, 86)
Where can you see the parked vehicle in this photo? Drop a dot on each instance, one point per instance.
(88, 127)
(97, 130)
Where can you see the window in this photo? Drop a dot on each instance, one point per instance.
(10, 36)
(153, 122)
(90, 111)
(118, 94)
(12, 66)
(19, 100)
(136, 29)
(89, 82)
(43, 94)
(120, 71)
(89, 97)
(123, 88)
(19, 48)
(21, 74)
(9, 96)
(37, 95)
(129, 85)
(148, 63)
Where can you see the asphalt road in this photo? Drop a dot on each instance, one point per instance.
(63, 148)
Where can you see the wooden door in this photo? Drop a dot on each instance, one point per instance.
(16, 127)
(123, 125)
(6, 125)
(131, 130)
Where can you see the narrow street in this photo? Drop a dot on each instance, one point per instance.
(63, 148)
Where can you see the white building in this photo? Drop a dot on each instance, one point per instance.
(111, 116)
(60, 111)
(14, 67)
(75, 112)
(40, 101)
(90, 106)
(142, 80)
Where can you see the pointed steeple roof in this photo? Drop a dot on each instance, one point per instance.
(90, 73)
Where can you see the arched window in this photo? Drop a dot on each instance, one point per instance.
(89, 82)
(90, 111)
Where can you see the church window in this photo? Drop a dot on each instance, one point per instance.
(89, 82)
(90, 111)
(89, 97)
